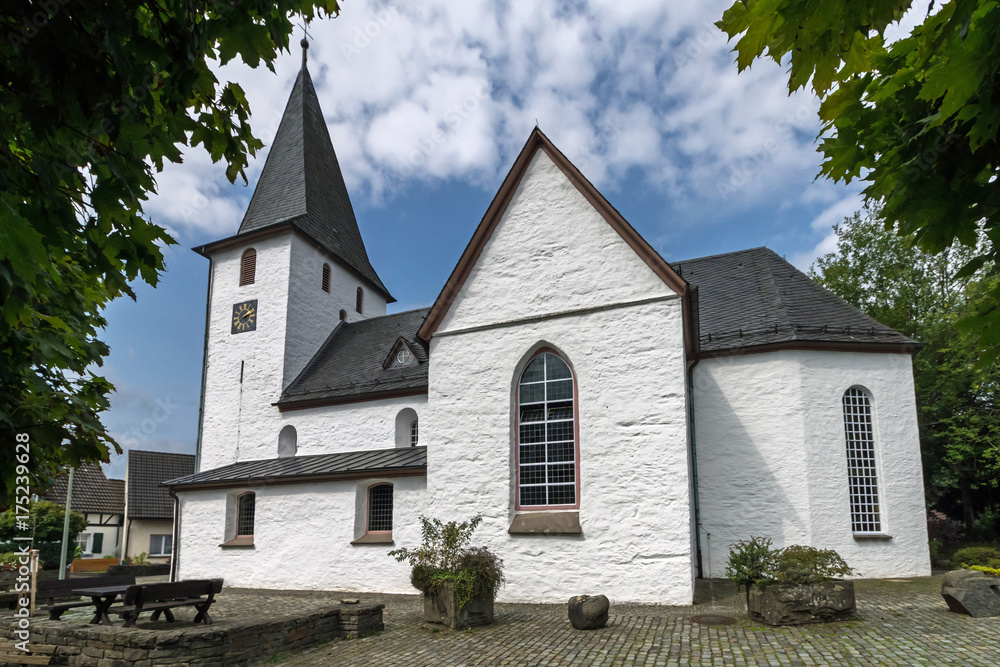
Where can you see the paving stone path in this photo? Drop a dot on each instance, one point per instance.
(902, 622)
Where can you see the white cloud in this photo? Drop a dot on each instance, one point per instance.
(618, 85)
(824, 223)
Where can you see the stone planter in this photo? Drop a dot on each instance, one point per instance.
(441, 606)
(786, 604)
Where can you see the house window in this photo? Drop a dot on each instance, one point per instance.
(359, 302)
(414, 433)
(244, 515)
(160, 545)
(380, 508)
(326, 278)
(547, 461)
(83, 541)
(248, 267)
(861, 465)
(343, 314)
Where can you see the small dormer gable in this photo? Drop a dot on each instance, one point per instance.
(404, 355)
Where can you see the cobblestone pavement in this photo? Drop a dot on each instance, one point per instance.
(900, 622)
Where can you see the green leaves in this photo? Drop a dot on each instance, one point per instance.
(92, 106)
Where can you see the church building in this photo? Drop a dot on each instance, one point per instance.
(617, 420)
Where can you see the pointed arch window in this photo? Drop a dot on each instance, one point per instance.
(547, 449)
(248, 267)
(862, 467)
(359, 301)
(325, 284)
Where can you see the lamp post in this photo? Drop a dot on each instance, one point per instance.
(65, 536)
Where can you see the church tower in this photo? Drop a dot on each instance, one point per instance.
(296, 267)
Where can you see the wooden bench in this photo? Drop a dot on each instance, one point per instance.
(50, 589)
(161, 598)
(38, 654)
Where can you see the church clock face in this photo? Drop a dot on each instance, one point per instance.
(244, 316)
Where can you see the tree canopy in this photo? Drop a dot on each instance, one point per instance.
(958, 401)
(917, 119)
(94, 99)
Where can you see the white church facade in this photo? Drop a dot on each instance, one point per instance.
(617, 420)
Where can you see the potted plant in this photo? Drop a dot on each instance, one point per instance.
(791, 586)
(459, 583)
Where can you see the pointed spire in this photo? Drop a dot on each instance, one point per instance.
(302, 185)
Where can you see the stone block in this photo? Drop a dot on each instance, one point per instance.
(971, 592)
(441, 606)
(588, 612)
(786, 604)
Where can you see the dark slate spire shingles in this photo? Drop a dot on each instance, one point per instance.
(350, 362)
(302, 185)
(754, 297)
(147, 499)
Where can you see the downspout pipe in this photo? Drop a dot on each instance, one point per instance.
(175, 546)
(694, 468)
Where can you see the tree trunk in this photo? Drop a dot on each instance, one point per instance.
(966, 492)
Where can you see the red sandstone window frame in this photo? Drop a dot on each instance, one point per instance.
(517, 436)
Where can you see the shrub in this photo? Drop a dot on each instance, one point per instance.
(942, 529)
(48, 552)
(808, 565)
(986, 527)
(992, 571)
(969, 556)
(750, 562)
(443, 556)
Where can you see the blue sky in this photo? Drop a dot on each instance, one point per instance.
(642, 96)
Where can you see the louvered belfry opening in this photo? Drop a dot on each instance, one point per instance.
(248, 267)
(326, 277)
(360, 300)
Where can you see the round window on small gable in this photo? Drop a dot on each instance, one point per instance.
(403, 356)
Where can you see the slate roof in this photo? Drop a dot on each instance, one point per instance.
(299, 469)
(147, 499)
(350, 362)
(754, 297)
(92, 491)
(302, 185)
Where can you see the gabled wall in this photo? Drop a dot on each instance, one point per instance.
(554, 260)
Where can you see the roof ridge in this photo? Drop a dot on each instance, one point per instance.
(781, 308)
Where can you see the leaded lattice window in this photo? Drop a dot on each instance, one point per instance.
(414, 433)
(861, 464)
(380, 508)
(244, 515)
(546, 438)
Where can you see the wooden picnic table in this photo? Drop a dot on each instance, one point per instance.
(103, 597)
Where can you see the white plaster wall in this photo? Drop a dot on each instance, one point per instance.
(235, 411)
(328, 429)
(111, 533)
(635, 508)
(140, 531)
(550, 252)
(302, 538)
(772, 461)
(313, 313)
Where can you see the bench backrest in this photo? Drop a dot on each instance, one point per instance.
(61, 588)
(192, 588)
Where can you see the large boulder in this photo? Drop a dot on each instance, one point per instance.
(787, 604)
(971, 592)
(588, 612)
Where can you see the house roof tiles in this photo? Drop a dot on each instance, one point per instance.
(92, 491)
(147, 499)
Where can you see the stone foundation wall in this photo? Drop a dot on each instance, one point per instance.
(228, 642)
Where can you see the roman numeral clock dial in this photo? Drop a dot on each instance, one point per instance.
(244, 316)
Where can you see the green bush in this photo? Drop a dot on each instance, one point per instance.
(808, 565)
(750, 561)
(48, 552)
(443, 556)
(969, 556)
